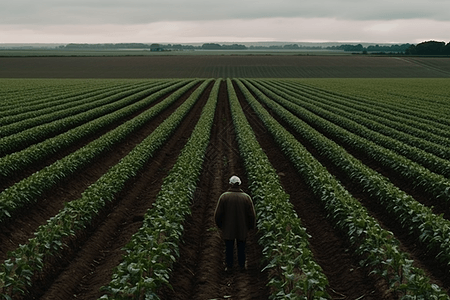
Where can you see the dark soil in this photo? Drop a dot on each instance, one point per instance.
(199, 273)
(115, 225)
(20, 229)
(92, 266)
(224, 66)
(347, 280)
(438, 273)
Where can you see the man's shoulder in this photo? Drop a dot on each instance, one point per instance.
(235, 193)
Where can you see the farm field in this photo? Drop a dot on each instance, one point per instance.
(224, 66)
(108, 187)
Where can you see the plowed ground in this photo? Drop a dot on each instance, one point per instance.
(223, 66)
(88, 262)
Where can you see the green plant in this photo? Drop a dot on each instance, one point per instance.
(378, 249)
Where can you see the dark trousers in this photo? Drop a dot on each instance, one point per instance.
(229, 253)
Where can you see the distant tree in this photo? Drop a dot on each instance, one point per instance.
(411, 50)
(388, 48)
(234, 47)
(107, 46)
(275, 47)
(358, 47)
(211, 46)
(291, 46)
(156, 47)
(429, 48)
(346, 47)
(446, 49)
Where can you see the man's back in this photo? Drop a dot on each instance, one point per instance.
(235, 214)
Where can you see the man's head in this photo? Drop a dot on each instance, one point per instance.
(234, 180)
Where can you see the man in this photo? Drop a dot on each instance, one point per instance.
(235, 216)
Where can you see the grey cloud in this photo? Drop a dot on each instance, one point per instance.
(54, 12)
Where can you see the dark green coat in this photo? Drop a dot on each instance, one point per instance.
(235, 214)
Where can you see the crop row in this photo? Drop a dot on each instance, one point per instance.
(38, 94)
(378, 248)
(371, 127)
(436, 185)
(29, 259)
(153, 249)
(424, 95)
(14, 93)
(402, 114)
(57, 103)
(29, 189)
(147, 264)
(427, 134)
(419, 220)
(294, 272)
(19, 160)
(80, 115)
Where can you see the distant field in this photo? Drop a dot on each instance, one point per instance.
(224, 66)
(138, 52)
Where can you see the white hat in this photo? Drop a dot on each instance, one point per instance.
(235, 180)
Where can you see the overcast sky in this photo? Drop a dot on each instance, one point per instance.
(201, 21)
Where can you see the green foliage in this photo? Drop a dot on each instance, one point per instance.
(429, 48)
(378, 249)
(154, 248)
(294, 274)
(429, 229)
(408, 136)
(29, 189)
(27, 260)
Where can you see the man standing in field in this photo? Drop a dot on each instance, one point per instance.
(235, 216)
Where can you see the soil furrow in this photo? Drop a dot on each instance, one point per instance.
(9, 181)
(88, 262)
(200, 273)
(422, 258)
(346, 279)
(22, 227)
(92, 266)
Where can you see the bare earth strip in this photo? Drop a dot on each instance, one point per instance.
(121, 220)
(94, 263)
(216, 66)
(16, 177)
(422, 259)
(20, 229)
(347, 280)
(199, 273)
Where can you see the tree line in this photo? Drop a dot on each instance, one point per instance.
(429, 48)
(372, 48)
(106, 46)
(424, 48)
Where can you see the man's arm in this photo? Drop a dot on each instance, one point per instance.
(251, 214)
(218, 213)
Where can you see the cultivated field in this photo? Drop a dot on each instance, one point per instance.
(224, 66)
(108, 187)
